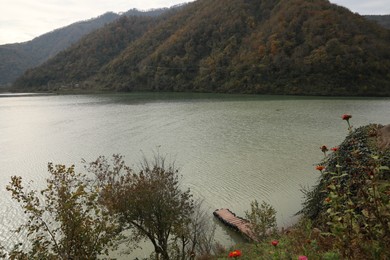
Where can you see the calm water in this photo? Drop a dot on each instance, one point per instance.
(230, 149)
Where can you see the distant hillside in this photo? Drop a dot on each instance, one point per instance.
(17, 58)
(254, 46)
(383, 20)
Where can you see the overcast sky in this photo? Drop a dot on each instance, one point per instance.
(23, 20)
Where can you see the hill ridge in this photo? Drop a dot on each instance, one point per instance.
(235, 46)
(18, 57)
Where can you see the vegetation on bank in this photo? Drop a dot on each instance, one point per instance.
(83, 216)
(346, 215)
(231, 46)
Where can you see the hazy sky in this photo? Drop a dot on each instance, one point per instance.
(23, 20)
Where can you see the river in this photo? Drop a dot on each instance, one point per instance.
(231, 149)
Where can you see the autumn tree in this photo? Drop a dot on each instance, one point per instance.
(64, 220)
(149, 202)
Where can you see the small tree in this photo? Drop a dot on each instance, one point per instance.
(262, 219)
(65, 220)
(149, 202)
(196, 237)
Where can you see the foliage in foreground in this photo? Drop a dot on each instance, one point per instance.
(302, 241)
(351, 201)
(263, 220)
(76, 217)
(64, 220)
(152, 204)
(345, 216)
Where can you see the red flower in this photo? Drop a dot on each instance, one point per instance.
(320, 168)
(302, 257)
(235, 253)
(335, 149)
(346, 117)
(328, 200)
(324, 149)
(275, 242)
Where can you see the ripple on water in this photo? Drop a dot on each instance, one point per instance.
(230, 152)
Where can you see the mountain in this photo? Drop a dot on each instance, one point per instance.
(307, 47)
(383, 20)
(18, 57)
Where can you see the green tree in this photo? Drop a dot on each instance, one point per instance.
(64, 220)
(150, 202)
(263, 219)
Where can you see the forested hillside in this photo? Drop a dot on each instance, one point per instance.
(235, 46)
(18, 57)
(85, 58)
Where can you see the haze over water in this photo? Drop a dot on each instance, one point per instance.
(231, 149)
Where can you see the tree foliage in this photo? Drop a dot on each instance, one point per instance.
(273, 47)
(86, 57)
(18, 57)
(351, 200)
(262, 219)
(80, 217)
(153, 206)
(64, 220)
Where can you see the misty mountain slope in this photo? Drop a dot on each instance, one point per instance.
(86, 57)
(18, 57)
(13, 62)
(383, 20)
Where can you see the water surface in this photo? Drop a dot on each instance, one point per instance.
(231, 149)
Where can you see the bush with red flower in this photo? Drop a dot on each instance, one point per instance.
(351, 200)
(346, 215)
